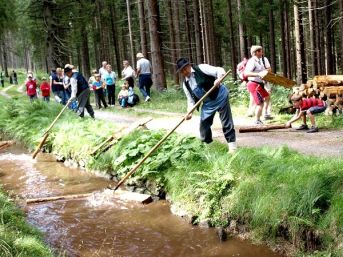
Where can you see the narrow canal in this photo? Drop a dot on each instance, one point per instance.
(100, 226)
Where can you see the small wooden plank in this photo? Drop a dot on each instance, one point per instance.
(277, 79)
(5, 144)
(133, 196)
(118, 194)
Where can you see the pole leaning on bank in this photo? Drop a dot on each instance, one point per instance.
(133, 170)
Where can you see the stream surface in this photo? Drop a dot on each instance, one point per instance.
(102, 225)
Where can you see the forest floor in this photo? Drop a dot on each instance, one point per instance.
(327, 142)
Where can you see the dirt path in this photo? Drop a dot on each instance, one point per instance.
(324, 143)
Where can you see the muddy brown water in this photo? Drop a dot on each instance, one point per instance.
(101, 225)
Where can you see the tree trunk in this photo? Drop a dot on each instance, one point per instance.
(272, 38)
(242, 45)
(172, 42)
(132, 51)
(142, 29)
(301, 63)
(341, 34)
(85, 51)
(188, 32)
(203, 31)
(176, 24)
(287, 39)
(197, 31)
(4, 57)
(329, 39)
(115, 37)
(155, 41)
(313, 54)
(232, 41)
(283, 39)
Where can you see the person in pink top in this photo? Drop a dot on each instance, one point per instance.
(306, 107)
(31, 87)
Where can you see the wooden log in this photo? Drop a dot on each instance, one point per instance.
(110, 141)
(328, 80)
(262, 128)
(277, 79)
(5, 144)
(119, 194)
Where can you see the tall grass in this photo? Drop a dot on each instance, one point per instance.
(272, 192)
(17, 238)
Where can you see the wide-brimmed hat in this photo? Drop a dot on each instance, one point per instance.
(181, 63)
(139, 55)
(253, 49)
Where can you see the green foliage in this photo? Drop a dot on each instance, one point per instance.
(274, 192)
(17, 238)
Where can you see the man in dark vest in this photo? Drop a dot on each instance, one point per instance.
(198, 80)
(80, 91)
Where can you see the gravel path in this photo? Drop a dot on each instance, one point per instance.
(324, 143)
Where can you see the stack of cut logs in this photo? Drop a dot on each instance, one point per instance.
(328, 88)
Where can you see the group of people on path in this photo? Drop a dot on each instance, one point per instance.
(13, 78)
(199, 79)
(70, 87)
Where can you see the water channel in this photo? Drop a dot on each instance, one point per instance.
(99, 226)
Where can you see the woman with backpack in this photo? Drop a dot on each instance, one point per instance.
(255, 85)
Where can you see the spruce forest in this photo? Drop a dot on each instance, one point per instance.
(300, 38)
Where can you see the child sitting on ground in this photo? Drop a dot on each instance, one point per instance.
(306, 106)
(45, 89)
(123, 95)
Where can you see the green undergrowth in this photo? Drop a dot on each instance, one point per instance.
(273, 193)
(17, 238)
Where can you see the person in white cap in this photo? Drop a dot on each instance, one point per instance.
(144, 76)
(255, 85)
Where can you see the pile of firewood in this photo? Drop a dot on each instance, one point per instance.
(328, 88)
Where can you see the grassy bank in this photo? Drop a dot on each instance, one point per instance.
(272, 193)
(17, 238)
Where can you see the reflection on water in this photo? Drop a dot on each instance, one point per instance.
(103, 225)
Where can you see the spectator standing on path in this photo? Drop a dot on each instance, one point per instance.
(2, 79)
(80, 90)
(45, 90)
(103, 70)
(31, 88)
(255, 85)
(144, 76)
(128, 74)
(110, 80)
(15, 77)
(98, 88)
(91, 80)
(198, 80)
(57, 86)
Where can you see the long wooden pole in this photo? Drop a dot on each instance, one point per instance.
(46, 133)
(169, 133)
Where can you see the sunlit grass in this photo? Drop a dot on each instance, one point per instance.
(17, 238)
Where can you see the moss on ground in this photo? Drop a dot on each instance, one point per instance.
(272, 192)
